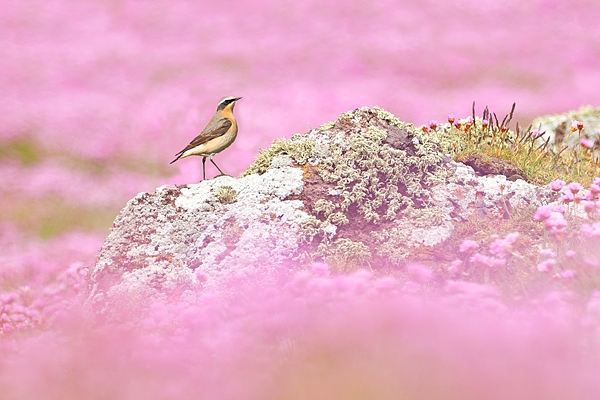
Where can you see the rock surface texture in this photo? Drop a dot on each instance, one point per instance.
(558, 129)
(364, 191)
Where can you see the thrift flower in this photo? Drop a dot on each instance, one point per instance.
(574, 187)
(588, 206)
(591, 262)
(543, 212)
(455, 267)
(590, 230)
(467, 246)
(556, 223)
(547, 253)
(420, 274)
(568, 274)
(502, 247)
(451, 118)
(567, 197)
(557, 185)
(587, 143)
(468, 123)
(492, 262)
(320, 269)
(546, 265)
(570, 253)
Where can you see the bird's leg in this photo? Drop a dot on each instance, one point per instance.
(211, 160)
(203, 168)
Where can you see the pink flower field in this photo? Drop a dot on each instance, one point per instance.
(98, 96)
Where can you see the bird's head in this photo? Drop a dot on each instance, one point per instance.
(227, 102)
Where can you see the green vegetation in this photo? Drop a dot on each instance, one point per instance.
(540, 161)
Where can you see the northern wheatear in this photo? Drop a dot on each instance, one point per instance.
(218, 135)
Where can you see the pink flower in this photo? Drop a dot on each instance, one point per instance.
(320, 269)
(567, 197)
(594, 188)
(556, 223)
(588, 206)
(502, 247)
(547, 253)
(574, 187)
(546, 265)
(587, 143)
(543, 212)
(489, 261)
(455, 267)
(485, 123)
(570, 253)
(535, 133)
(451, 118)
(467, 246)
(420, 274)
(433, 125)
(576, 125)
(590, 230)
(557, 184)
(591, 262)
(568, 274)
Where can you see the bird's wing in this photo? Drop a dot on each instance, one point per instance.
(212, 131)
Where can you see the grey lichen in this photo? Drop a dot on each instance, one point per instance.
(387, 116)
(298, 148)
(346, 254)
(380, 180)
(369, 170)
(225, 194)
(324, 207)
(327, 126)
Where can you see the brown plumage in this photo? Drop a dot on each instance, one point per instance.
(220, 133)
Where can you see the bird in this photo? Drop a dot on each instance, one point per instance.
(219, 134)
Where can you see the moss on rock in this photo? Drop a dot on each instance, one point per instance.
(363, 173)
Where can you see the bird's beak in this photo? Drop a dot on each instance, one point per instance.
(237, 98)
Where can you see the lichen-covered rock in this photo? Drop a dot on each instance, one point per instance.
(558, 128)
(181, 238)
(365, 190)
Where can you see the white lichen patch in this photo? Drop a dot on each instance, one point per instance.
(160, 239)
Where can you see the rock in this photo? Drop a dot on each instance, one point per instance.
(484, 164)
(557, 128)
(365, 190)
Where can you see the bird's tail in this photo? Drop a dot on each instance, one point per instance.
(177, 157)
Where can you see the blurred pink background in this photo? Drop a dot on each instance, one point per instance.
(97, 96)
